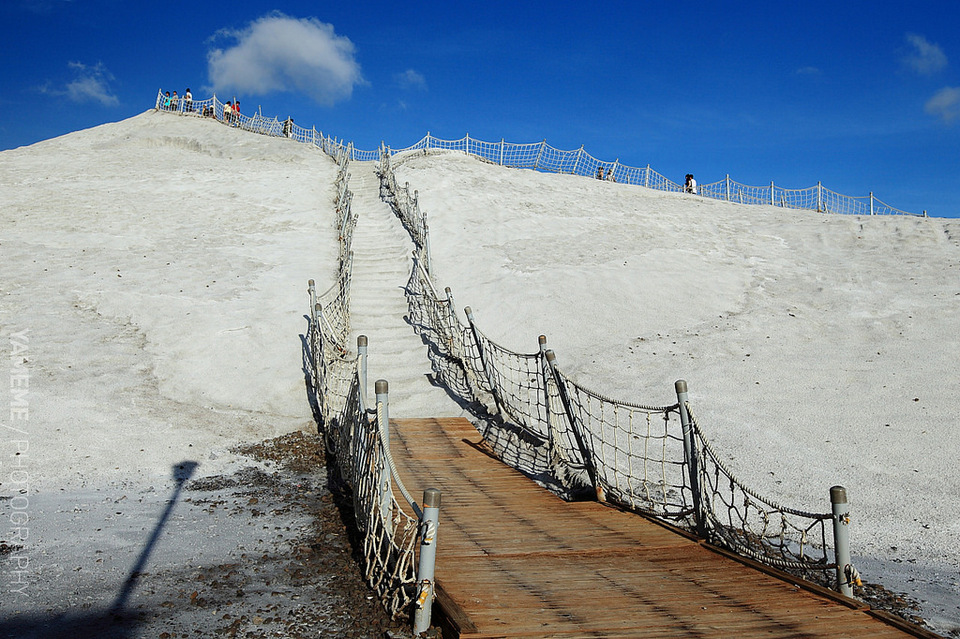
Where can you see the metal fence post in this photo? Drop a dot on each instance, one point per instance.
(585, 453)
(451, 309)
(690, 456)
(576, 164)
(312, 290)
(362, 352)
(846, 573)
(428, 560)
(383, 414)
(483, 360)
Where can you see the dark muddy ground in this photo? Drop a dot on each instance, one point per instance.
(267, 551)
(264, 552)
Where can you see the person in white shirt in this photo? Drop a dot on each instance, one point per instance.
(690, 186)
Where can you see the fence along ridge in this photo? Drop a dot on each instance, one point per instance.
(541, 156)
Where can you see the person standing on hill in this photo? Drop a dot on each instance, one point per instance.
(227, 113)
(188, 101)
(690, 186)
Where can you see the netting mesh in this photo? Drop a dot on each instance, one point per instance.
(742, 520)
(389, 535)
(352, 431)
(636, 451)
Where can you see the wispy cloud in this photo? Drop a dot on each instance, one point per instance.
(280, 53)
(809, 71)
(945, 104)
(89, 84)
(924, 57)
(411, 79)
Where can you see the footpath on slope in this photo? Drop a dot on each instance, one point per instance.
(382, 259)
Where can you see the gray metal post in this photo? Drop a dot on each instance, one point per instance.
(312, 291)
(314, 329)
(383, 413)
(483, 360)
(846, 574)
(451, 308)
(585, 453)
(771, 192)
(428, 560)
(871, 203)
(426, 244)
(690, 456)
(362, 352)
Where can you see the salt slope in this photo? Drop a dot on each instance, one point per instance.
(160, 266)
(819, 349)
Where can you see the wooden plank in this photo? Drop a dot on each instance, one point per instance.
(517, 561)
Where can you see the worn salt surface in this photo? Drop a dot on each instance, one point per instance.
(159, 266)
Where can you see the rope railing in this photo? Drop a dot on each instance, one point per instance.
(755, 526)
(357, 436)
(541, 156)
(651, 459)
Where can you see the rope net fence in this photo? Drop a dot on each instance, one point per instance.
(537, 419)
(555, 429)
(541, 156)
(353, 431)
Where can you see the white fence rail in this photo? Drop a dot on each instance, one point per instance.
(541, 156)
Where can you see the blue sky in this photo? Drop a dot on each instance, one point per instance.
(863, 96)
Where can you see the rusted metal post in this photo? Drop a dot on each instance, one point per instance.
(385, 490)
(428, 560)
(362, 369)
(846, 573)
(690, 457)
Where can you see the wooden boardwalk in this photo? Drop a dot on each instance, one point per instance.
(514, 560)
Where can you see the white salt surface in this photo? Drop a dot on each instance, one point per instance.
(159, 266)
(819, 349)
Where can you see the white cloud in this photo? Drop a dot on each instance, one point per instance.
(945, 104)
(280, 53)
(90, 84)
(926, 58)
(411, 79)
(811, 71)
